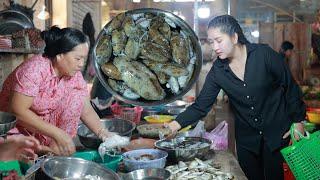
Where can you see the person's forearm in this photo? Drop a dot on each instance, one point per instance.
(34, 123)
(90, 118)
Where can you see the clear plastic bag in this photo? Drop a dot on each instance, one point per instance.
(198, 131)
(219, 136)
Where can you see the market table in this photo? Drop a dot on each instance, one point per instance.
(225, 160)
(228, 164)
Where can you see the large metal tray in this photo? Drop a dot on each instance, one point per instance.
(170, 97)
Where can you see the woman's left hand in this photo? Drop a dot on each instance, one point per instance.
(299, 127)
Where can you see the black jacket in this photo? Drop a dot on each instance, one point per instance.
(265, 104)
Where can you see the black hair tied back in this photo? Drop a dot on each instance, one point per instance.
(60, 41)
(51, 37)
(229, 25)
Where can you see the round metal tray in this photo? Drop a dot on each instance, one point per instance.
(170, 97)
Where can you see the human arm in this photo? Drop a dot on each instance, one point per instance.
(90, 118)
(201, 106)
(19, 147)
(20, 105)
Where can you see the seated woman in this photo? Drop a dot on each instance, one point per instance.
(48, 94)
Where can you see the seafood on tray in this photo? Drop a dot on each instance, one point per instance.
(198, 169)
(145, 55)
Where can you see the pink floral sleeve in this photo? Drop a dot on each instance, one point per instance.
(28, 77)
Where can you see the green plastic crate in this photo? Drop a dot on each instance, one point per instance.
(110, 162)
(303, 156)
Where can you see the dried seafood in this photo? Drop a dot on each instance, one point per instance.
(152, 130)
(183, 143)
(197, 169)
(146, 55)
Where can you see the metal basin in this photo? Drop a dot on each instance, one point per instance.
(176, 111)
(14, 20)
(7, 122)
(120, 126)
(176, 154)
(170, 97)
(150, 174)
(74, 168)
(176, 104)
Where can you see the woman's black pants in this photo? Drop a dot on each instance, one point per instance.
(266, 165)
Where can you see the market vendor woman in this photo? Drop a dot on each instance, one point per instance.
(263, 96)
(48, 94)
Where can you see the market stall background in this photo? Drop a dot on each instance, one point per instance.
(264, 21)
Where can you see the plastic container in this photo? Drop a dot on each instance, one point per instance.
(110, 162)
(127, 113)
(6, 166)
(132, 159)
(313, 116)
(158, 119)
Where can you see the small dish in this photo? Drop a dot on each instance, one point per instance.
(156, 119)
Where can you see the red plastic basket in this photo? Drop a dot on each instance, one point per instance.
(288, 175)
(131, 114)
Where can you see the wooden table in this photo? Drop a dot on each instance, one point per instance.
(228, 164)
(224, 159)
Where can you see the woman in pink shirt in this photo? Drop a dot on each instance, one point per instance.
(48, 94)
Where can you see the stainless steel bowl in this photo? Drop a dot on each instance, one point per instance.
(183, 154)
(176, 104)
(176, 111)
(170, 96)
(151, 110)
(7, 122)
(120, 126)
(184, 134)
(141, 174)
(74, 168)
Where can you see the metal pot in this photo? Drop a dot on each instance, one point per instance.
(140, 174)
(13, 20)
(74, 168)
(7, 122)
(170, 97)
(149, 111)
(176, 104)
(183, 154)
(120, 126)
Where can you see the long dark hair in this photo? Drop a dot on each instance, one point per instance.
(60, 41)
(229, 25)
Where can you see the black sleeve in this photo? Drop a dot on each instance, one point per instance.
(202, 104)
(296, 108)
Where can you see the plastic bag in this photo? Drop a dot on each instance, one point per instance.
(198, 131)
(219, 136)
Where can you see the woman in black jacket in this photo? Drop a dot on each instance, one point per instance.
(262, 94)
